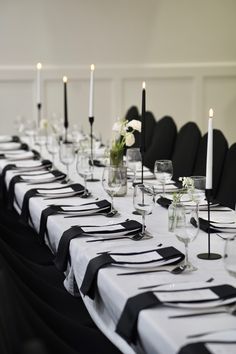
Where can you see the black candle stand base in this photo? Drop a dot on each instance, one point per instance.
(93, 180)
(209, 256)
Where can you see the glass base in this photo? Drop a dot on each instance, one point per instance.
(189, 267)
(93, 179)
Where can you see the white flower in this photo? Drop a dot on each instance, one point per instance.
(117, 126)
(135, 124)
(43, 123)
(129, 139)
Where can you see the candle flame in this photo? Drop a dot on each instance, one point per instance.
(39, 66)
(92, 67)
(211, 113)
(144, 85)
(64, 78)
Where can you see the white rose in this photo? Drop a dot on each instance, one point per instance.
(135, 124)
(129, 139)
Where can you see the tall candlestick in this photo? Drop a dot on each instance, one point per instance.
(143, 147)
(209, 151)
(91, 91)
(66, 124)
(39, 67)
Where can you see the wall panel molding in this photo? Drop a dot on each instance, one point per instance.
(184, 90)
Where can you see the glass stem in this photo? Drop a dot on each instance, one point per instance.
(112, 202)
(85, 183)
(163, 189)
(186, 254)
(143, 223)
(67, 172)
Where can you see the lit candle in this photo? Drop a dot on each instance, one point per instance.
(66, 124)
(209, 151)
(91, 92)
(143, 148)
(39, 67)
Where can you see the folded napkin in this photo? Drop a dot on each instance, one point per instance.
(127, 324)
(216, 227)
(8, 139)
(40, 192)
(153, 257)
(209, 346)
(125, 228)
(164, 202)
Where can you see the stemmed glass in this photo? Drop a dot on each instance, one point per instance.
(143, 200)
(84, 169)
(30, 130)
(111, 182)
(67, 155)
(52, 145)
(133, 161)
(163, 170)
(197, 193)
(186, 228)
(230, 255)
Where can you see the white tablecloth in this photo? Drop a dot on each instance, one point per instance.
(158, 334)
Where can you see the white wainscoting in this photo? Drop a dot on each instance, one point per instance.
(185, 91)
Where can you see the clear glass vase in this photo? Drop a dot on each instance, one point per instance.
(172, 216)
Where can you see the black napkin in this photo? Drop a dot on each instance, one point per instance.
(204, 226)
(88, 286)
(127, 324)
(164, 202)
(200, 347)
(96, 163)
(194, 348)
(76, 231)
(35, 192)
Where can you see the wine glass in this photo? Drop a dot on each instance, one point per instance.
(67, 155)
(163, 170)
(143, 200)
(52, 145)
(186, 228)
(230, 255)
(197, 193)
(84, 169)
(30, 130)
(111, 182)
(133, 161)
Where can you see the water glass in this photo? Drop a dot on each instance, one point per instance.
(67, 155)
(143, 200)
(85, 170)
(133, 161)
(163, 170)
(111, 182)
(230, 255)
(186, 228)
(197, 194)
(52, 146)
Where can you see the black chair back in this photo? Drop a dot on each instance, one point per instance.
(226, 193)
(162, 142)
(132, 113)
(150, 124)
(220, 148)
(185, 150)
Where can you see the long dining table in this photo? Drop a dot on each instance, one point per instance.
(159, 332)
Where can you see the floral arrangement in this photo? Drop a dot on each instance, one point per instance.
(123, 135)
(188, 187)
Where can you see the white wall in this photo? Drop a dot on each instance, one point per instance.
(184, 49)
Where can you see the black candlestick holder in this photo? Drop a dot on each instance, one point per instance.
(209, 255)
(91, 121)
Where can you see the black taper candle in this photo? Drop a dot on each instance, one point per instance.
(66, 123)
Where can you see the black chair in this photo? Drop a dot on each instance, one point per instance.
(150, 124)
(65, 316)
(132, 113)
(185, 150)
(220, 148)
(226, 193)
(162, 142)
